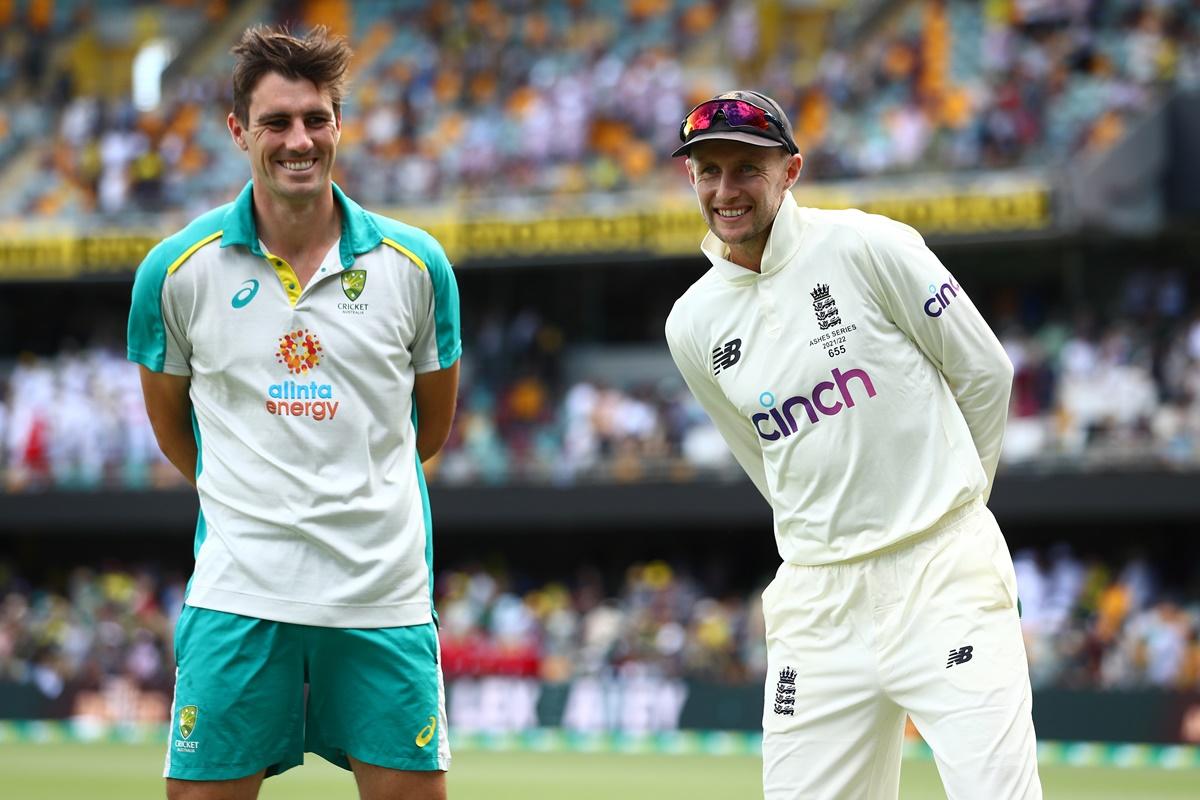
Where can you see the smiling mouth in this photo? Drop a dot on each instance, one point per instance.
(731, 213)
(298, 166)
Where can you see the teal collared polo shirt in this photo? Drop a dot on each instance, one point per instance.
(313, 507)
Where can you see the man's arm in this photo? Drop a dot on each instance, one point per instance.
(170, 412)
(736, 430)
(925, 301)
(436, 395)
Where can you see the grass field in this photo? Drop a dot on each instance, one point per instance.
(130, 772)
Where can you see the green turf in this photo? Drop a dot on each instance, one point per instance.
(130, 772)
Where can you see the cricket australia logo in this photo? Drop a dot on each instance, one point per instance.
(187, 726)
(825, 308)
(960, 656)
(785, 692)
(187, 721)
(353, 283)
(726, 355)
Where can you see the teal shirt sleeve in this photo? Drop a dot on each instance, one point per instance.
(147, 335)
(151, 340)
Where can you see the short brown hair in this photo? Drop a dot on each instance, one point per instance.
(319, 57)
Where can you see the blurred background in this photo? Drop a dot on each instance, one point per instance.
(599, 556)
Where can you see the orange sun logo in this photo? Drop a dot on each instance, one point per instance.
(299, 351)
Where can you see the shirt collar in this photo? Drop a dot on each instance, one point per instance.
(360, 234)
(782, 244)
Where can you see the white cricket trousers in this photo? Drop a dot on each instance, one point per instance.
(927, 628)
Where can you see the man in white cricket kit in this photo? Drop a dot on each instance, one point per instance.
(866, 398)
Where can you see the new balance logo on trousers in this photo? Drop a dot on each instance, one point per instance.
(960, 656)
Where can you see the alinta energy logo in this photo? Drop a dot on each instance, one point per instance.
(301, 352)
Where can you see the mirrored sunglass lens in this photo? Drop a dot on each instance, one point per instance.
(742, 113)
(700, 118)
(736, 112)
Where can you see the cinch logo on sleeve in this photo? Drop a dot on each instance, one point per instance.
(781, 423)
(301, 352)
(942, 295)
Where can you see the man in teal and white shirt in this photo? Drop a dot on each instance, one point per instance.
(299, 361)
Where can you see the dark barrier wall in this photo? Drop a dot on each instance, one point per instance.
(646, 704)
(1183, 179)
(1102, 498)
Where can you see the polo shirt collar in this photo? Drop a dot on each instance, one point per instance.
(360, 234)
(782, 244)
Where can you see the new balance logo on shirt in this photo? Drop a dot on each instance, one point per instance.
(726, 355)
(960, 656)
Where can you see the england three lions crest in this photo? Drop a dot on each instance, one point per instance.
(785, 692)
(825, 307)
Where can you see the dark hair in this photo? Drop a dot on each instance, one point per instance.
(319, 57)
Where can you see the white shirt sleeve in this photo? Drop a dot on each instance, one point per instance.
(736, 430)
(920, 296)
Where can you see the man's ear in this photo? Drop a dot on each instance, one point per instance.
(795, 164)
(236, 131)
(687, 162)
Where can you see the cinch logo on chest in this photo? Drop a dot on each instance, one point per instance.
(814, 405)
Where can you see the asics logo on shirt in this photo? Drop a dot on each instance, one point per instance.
(780, 423)
(942, 295)
(245, 294)
(726, 355)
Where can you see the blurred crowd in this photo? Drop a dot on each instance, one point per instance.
(100, 643)
(1091, 391)
(105, 633)
(507, 103)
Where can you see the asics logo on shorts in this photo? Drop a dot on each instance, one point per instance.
(960, 656)
(425, 735)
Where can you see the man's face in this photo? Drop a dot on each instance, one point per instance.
(291, 137)
(740, 187)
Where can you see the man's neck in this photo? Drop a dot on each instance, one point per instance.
(296, 228)
(749, 254)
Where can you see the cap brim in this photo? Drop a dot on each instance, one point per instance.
(737, 136)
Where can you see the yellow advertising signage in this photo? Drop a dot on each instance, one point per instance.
(673, 231)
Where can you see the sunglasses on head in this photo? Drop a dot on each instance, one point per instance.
(737, 113)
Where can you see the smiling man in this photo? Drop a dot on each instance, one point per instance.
(873, 429)
(299, 360)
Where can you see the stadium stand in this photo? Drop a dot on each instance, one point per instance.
(528, 110)
(571, 103)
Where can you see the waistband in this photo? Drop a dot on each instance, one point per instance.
(948, 521)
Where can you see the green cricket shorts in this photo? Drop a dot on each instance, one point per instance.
(240, 702)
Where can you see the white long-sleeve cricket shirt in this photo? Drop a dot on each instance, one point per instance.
(853, 380)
